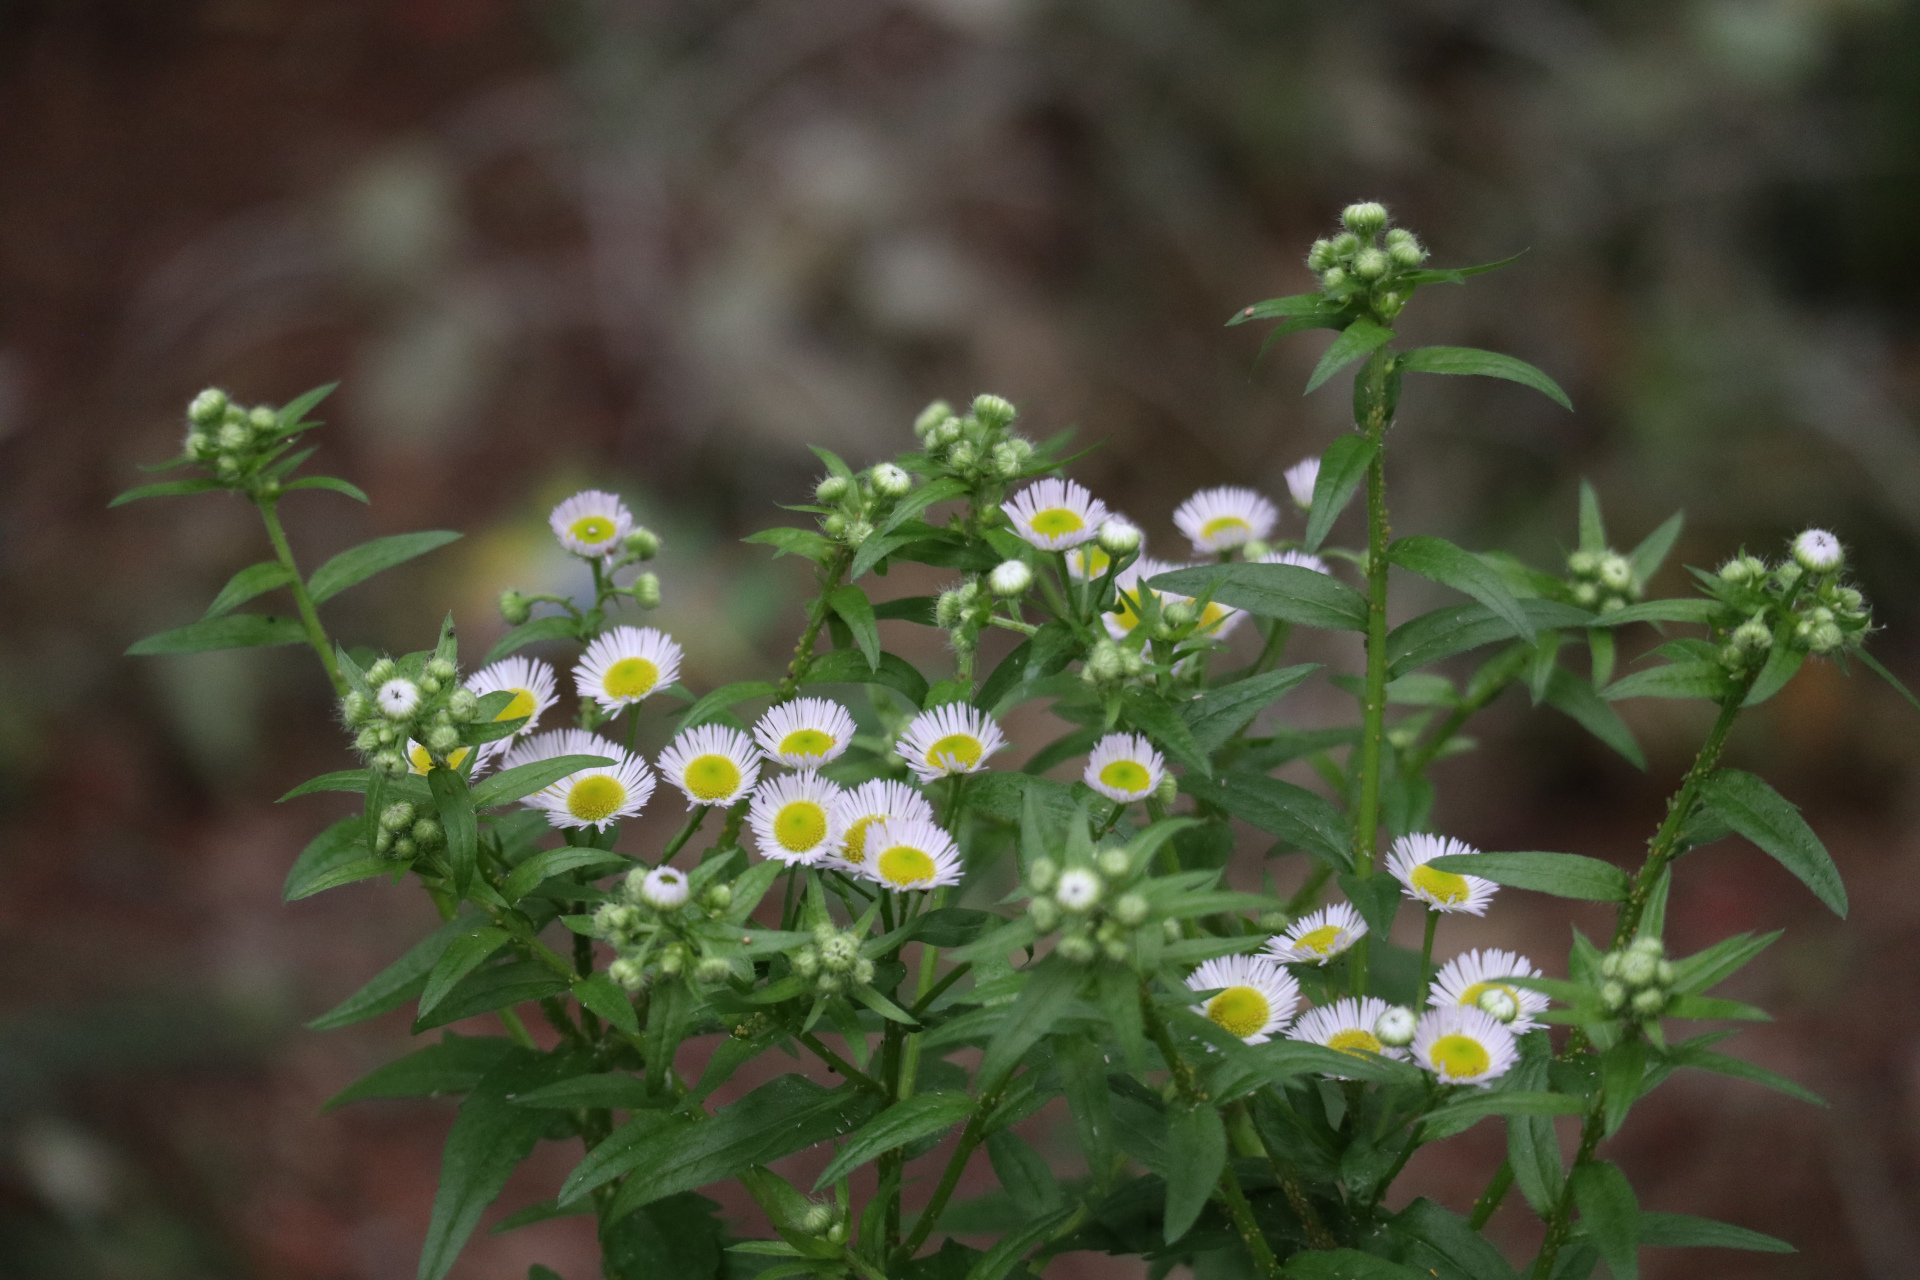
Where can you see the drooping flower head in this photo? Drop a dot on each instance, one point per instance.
(625, 664)
(1298, 559)
(591, 523)
(910, 854)
(1347, 1025)
(791, 817)
(1055, 515)
(1464, 1046)
(711, 764)
(1319, 936)
(1124, 767)
(1257, 997)
(1220, 519)
(856, 812)
(591, 797)
(1464, 980)
(529, 680)
(1301, 478)
(1441, 890)
(805, 733)
(955, 737)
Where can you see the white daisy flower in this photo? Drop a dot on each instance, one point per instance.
(1257, 997)
(1319, 936)
(1301, 477)
(1124, 767)
(1818, 551)
(1464, 1046)
(626, 664)
(530, 681)
(1220, 519)
(955, 737)
(1055, 515)
(591, 797)
(805, 733)
(420, 760)
(910, 854)
(791, 817)
(664, 888)
(1347, 1025)
(1215, 620)
(855, 812)
(1298, 559)
(1441, 890)
(711, 764)
(1469, 977)
(397, 698)
(591, 523)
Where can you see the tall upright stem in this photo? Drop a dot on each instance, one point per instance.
(316, 634)
(1366, 817)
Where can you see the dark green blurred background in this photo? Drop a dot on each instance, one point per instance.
(663, 246)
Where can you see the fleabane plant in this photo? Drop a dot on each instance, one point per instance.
(1246, 1074)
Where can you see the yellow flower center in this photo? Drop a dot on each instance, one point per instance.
(1093, 561)
(1240, 1011)
(630, 678)
(1212, 616)
(1319, 941)
(1354, 1040)
(521, 706)
(1219, 525)
(807, 742)
(800, 825)
(1442, 886)
(595, 797)
(422, 762)
(1458, 1057)
(955, 752)
(1126, 775)
(1471, 996)
(712, 778)
(1055, 521)
(856, 839)
(591, 529)
(904, 865)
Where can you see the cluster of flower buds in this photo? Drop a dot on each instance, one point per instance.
(1111, 666)
(1637, 980)
(1822, 614)
(1603, 581)
(404, 834)
(427, 705)
(232, 441)
(1096, 908)
(647, 924)
(963, 611)
(978, 447)
(856, 503)
(1360, 262)
(832, 961)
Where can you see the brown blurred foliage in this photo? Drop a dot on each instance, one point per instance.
(663, 246)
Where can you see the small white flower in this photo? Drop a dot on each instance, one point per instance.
(1257, 997)
(855, 812)
(711, 764)
(1301, 477)
(1396, 1027)
(397, 698)
(420, 760)
(1079, 888)
(1055, 515)
(1119, 536)
(1464, 980)
(910, 854)
(805, 733)
(955, 737)
(625, 664)
(1441, 890)
(591, 523)
(1010, 578)
(1124, 767)
(590, 797)
(530, 681)
(1298, 559)
(1220, 519)
(1464, 1046)
(1349, 1025)
(1818, 551)
(791, 818)
(664, 888)
(1319, 936)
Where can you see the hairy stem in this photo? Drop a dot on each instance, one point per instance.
(316, 634)
(1366, 818)
(1247, 1141)
(838, 1063)
(1490, 1199)
(970, 1138)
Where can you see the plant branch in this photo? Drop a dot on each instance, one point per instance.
(302, 600)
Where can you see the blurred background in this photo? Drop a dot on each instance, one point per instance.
(661, 247)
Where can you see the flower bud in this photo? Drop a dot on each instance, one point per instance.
(397, 816)
(646, 591)
(628, 974)
(1825, 638)
(1320, 256)
(673, 959)
(1818, 551)
(816, 1220)
(1396, 1026)
(1077, 948)
(837, 1234)
(947, 610)
(1106, 663)
(1009, 458)
(890, 481)
(514, 607)
(1647, 945)
(834, 525)
(1044, 914)
(806, 962)
(1499, 1004)
(1364, 219)
(426, 833)
(1130, 909)
(463, 704)
(863, 971)
(1610, 965)
(1168, 791)
(832, 489)
(1179, 614)
(208, 407)
(1170, 930)
(1079, 889)
(1752, 636)
(1616, 574)
(1613, 995)
(367, 741)
(261, 419)
(1371, 264)
(390, 762)
(1010, 578)
(1650, 1003)
(839, 952)
(1118, 537)
(711, 970)
(443, 739)
(231, 436)
(1333, 277)
(945, 434)
(1114, 863)
(993, 412)
(858, 531)
(718, 897)
(962, 456)
(1405, 251)
(1586, 594)
(644, 543)
(931, 417)
(1041, 874)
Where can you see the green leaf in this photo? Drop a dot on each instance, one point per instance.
(910, 507)
(1376, 898)
(1702, 1059)
(1696, 679)
(1694, 609)
(1457, 628)
(1610, 1214)
(1360, 338)
(1023, 1174)
(1009, 1252)
(851, 603)
(1684, 1231)
(490, 988)
(1873, 664)
(354, 780)
(1296, 305)
(1346, 1264)
(167, 489)
(1487, 364)
(231, 631)
(455, 1065)
(1764, 816)
(1593, 530)
(1706, 1009)
(808, 544)
(1457, 275)
(454, 802)
(361, 868)
(1647, 558)
(360, 563)
(605, 997)
(848, 666)
(334, 847)
(1783, 662)
(1196, 1155)
(679, 1238)
(905, 1122)
(1622, 1071)
(1302, 818)
(727, 695)
(1564, 875)
(293, 413)
(1450, 566)
(1155, 716)
(1533, 1148)
(489, 1138)
(1283, 1059)
(1286, 591)
(558, 627)
(1475, 1107)
(1706, 969)
(1218, 714)
(327, 482)
(523, 780)
(398, 982)
(1342, 467)
(1083, 1073)
(466, 953)
(1050, 987)
(254, 580)
(1451, 1243)
(613, 1090)
(552, 862)
(1569, 694)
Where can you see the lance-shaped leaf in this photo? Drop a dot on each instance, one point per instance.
(1765, 817)
(1153, 715)
(713, 704)
(1460, 627)
(355, 566)
(1446, 1245)
(851, 603)
(167, 489)
(497, 986)
(552, 862)
(1049, 989)
(1218, 714)
(1346, 1264)
(1285, 591)
(335, 483)
(805, 543)
(614, 1090)
(605, 997)
(254, 580)
(230, 631)
(558, 627)
(1342, 467)
(1298, 816)
(849, 666)
(454, 802)
(1358, 339)
(1610, 1214)
(1486, 364)
(467, 953)
(1450, 566)
(1564, 875)
(1693, 679)
(523, 780)
(907, 1121)
(1196, 1155)
(333, 848)
(398, 982)
(453, 1066)
(1684, 1231)
(1575, 697)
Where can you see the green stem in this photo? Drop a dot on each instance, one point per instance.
(1277, 635)
(516, 1029)
(1490, 1199)
(838, 1063)
(1247, 1141)
(1366, 821)
(954, 975)
(1560, 1221)
(1426, 958)
(970, 1138)
(679, 841)
(1497, 680)
(309, 617)
(929, 961)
